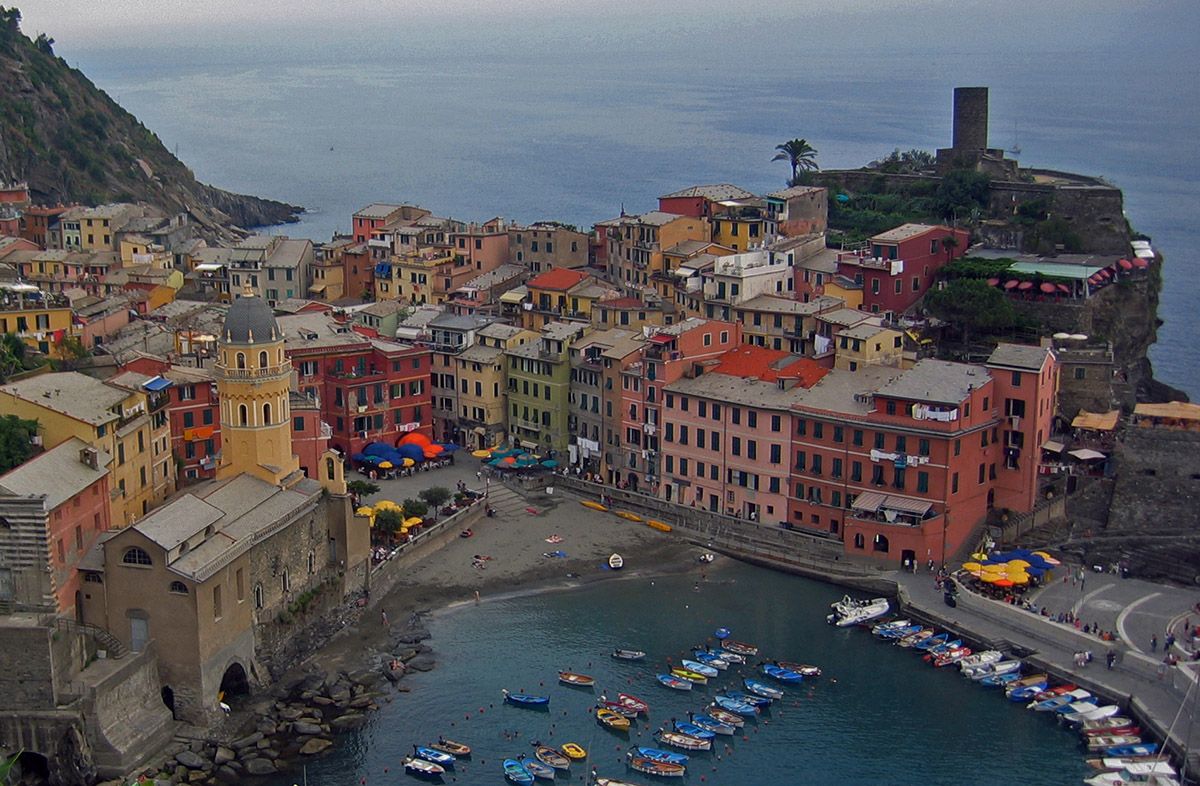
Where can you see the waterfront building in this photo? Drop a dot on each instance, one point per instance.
(539, 386)
(682, 261)
(1027, 384)
(635, 244)
(483, 383)
(449, 334)
(358, 272)
(95, 228)
(546, 245)
(898, 266)
(427, 274)
(273, 266)
(702, 201)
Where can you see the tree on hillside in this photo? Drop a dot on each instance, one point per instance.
(906, 162)
(16, 445)
(962, 192)
(970, 305)
(799, 154)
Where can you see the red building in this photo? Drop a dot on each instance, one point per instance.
(899, 265)
(357, 271)
(702, 201)
(37, 220)
(194, 418)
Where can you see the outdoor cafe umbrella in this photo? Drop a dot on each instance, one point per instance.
(1003, 582)
(979, 556)
(550, 463)
(407, 462)
(1047, 287)
(496, 463)
(481, 453)
(990, 578)
(365, 511)
(451, 446)
(1019, 578)
(1025, 285)
(359, 456)
(975, 566)
(386, 465)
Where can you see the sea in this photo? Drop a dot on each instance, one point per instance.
(542, 119)
(876, 715)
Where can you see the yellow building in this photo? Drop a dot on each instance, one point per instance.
(562, 295)
(128, 421)
(98, 225)
(41, 323)
(328, 273)
(137, 250)
(426, 275)
(743, 227)
(869, 344)
(483, 380)
(635, 243)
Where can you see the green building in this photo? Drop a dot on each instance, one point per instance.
(539, 387)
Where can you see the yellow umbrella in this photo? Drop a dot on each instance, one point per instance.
(386, 465)
(990, 578)
(1019, 578)
(481, 453)
(409, 522)
(997, 568)
(365, 511)
(972, 566)
(1040, 554)
(386, 504)
(1019, 563)
(407, 462)
(976, 573)
(979, 555)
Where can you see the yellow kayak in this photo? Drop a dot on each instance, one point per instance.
(660, 526)
(593, 505)
(573, 751)
(630, 516)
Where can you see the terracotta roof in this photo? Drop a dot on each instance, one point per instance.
(558, 278)
(621, 302)
(715, 193)
(768, 365)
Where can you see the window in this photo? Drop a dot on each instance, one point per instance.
(735, 446)
(217, 602)
(702, 408)
(818, 430)
(751, 449)
(189, 419)
(856, 472)
(879, 441)
(856, 437)
(776, 423)
(816, 463)
(958, 447)
(901, 444)
(922, 482)
(801, 427)
(136, 556)
(776, 454)
(178, 587)
(954, 483)
(1016, 379)
(877, 475)
(207, 417)
(923, 447)
(898, 477)
(752, 419)
(736, 415)
(891, 407)
(839, 434)
(982, 473)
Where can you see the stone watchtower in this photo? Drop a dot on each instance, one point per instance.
(253, 378)
(970, 138)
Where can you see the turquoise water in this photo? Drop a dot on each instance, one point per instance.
(878, 714)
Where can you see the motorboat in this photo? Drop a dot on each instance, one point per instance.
(1118, 763)
(980, 659)
(629, 655)
(633, 702)
(525, 700)
(1095, 713)
(951, 656)
(997, 669)
(1152, 773)
(1079, 705)
(1136, 749)
(859, 614)
(847, 603)
(423, 767)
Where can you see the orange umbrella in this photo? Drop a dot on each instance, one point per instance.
(1003, 582)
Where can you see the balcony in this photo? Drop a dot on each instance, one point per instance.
(269, 372)
(359, 374)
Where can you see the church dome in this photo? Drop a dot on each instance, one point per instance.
(250, 321)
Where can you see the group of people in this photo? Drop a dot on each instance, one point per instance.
(1065, 618)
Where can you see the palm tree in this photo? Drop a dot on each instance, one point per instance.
(799, 153)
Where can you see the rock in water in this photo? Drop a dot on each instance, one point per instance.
(314, 746)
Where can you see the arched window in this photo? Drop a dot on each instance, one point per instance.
(262, 359)
(287, 580)
(179, 588)
(266, 414)
(136, 556)
(880, 544)
(92, 578)
(241, 360)
(312, 562)
(859, 541)
(258, 596)
(243, 415)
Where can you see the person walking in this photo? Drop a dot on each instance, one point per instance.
(1154, 642)
(383, 617)
(1110, 659)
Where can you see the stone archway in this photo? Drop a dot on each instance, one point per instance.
(234, 683)
(30, 767)
(168, 698)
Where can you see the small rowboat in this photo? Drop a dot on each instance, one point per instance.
(734, 706)
(1057, 690)
(629, 516)
(602, 781)
(683, 741)
(1026, 693)
(909, 641)
(692, 730)
(578, 680)
(953, 656)
(725, 716)
(537, 769)
(634, 703)
(1104, 741)
(593, 505)
(1032, 679)
(663, 769)
(515, 771)
(748, 650)
(980, 659)
(657, 755)
(709, 659)
(762, 689)
(1095, 713)
(1000, 680)
(932, 641)
(699, 668)
(423, 767)
(749, 698)
(620, 709)
(690, 676)
(573, 751)
(550, 757)
(611, 720)
(1079, 705)
(992, 669)
(1136, 749)
(672, 681)
(805, 669)
(783, 675)
(943, 647)
(730, 656)
(1115, 722)
(616, 561)
(712, 724)
(1128, 729)
(451, 747)
(629, 655)
(525, 700)
(1054, 702)
(435, 756)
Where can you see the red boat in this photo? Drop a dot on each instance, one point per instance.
(633, 703)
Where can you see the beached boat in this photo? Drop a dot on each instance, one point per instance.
(699, 668)
(762, 689)
(718, 713)
(537, 769)
(711, 724)
(550, 757)
(932, 641)
(1152, 773)
(1102, 742)
(740, 648)
(783, 675)
(1118, 763)
(709, 659)
(1096, 713)
(663, 769)
(451, 747)
(435, 756)
(573, 751)
(629, 655)
(629, 516)
(750, 698)
(729, 656)
(578, 680)
(661, 755)
(616, 561)
(683, 741)
(672, 681)
(690, 676)
(730, 704)
(525, 700)
(515, 771)
(593, 505)
(707, 557)
(1136, 749)
(634, 703)
(692, 730)
(611, 720)
(658, 525)
(423, 767)
(803, 669)
(1114, 722)
(980, 659)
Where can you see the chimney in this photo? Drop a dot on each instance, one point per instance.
(90, 456)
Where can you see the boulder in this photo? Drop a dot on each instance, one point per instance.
(290, 713)
(261, 767)
(246, 742)
(422, 663)
(322, 701)
(364, 677)
(227, 775)
(393, 675)
(196, 776)
(266, 726)
(351, 720)
(262, 744)
(314, 746)
(361, 703)
(192, 761)
(312, 683)
(223, 756)
(414, 636)
(304, 727)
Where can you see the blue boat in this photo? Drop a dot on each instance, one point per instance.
(932, 641)
(899, 633)
(1077, 706)
(692, 730)
(700, 668)
(730, 657)
(783, 675)
(673, 682)
(709, 659)
(437, 757)
(999, 680)
(525, 700)
(945, 646)
(734, 705)
(712, 724)
(1027, 692)
(1138, 749)
(761, 689)
(749, 698)
(537, 769)
(658, 755)
(515, 771)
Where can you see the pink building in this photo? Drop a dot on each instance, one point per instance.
(899, 266)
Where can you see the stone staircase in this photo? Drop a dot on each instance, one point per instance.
(103, 638)
(505, 502)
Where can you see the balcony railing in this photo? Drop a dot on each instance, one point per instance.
(269, 372)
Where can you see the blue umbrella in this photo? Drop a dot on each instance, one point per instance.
(371, 459)
(359, 456)
(450, 446)
(377, 449)
(551, 463)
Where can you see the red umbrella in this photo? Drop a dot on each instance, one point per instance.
(1047, 287)
(1139, 262)
(1011, 284)
(1105, 273)
(1024, 285)
(510, 460)
(1003, 582)
(1125, 264)
(993, 282)
(1064, 289)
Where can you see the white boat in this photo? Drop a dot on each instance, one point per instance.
(980, 659)
(1158, 773)
(1118, 763)
(616, 562)
(992, 669)
(847, 603)
(863, 613)
(1096, 713)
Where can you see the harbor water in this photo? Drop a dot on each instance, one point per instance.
(877, 715)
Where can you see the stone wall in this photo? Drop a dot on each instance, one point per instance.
(126, 720)
(26, 670)
(57, 735)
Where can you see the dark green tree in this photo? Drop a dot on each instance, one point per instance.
(389, 520)
(415, 507)
(436, 496)
(961, 192)
(45, 44)
(799, 154)
(362, 488)
(970, 305)
(16, 444)
(12, 355)
(949, 243)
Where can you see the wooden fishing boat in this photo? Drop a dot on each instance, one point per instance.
(699, 668)
(672, 681)
(729, 656)
(734, 706)
(1054, 702)
(1080, 705)
(515, 771)
(711, 724)
(930, 642)
(690, 676)
(1096, 713)
(1089, 735)
(980, 659)
(578, 680)
(435, 756)
(525, 700)
(451, 747)
(1056, 690)
(1101, 742)
(725, 716)
(1032, 679)
(550, 757)
(662, 769)
(537, 769)
(602, 781)
(629, 516)
(1114, 722)
(616, 561)
(423, 767)
(620, 709)
(953, 656)
(593, 505)
(709, 659)
(1026, 693)
(1135, 749)
(933, 652)
(752, 699)
(804, 669)
(629, 655)
(633, 702)
(909, 641)
(659, 755)
(747, 650)
(783, 675)
(762, 689)
(996, 669)
(683, 741)
(1000, 680)
(692, 730)
(611, 720)
(573, 751)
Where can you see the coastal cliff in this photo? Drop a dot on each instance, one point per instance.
(70, 142)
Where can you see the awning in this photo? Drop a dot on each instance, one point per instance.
(317, 288)
(512, 296)
(208, 267)
(905, 505)
(156, 384)
(870, 501)
(529, 445)
(1053, 446)
(685, 272)
(1087, 454)
(1096, 421)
